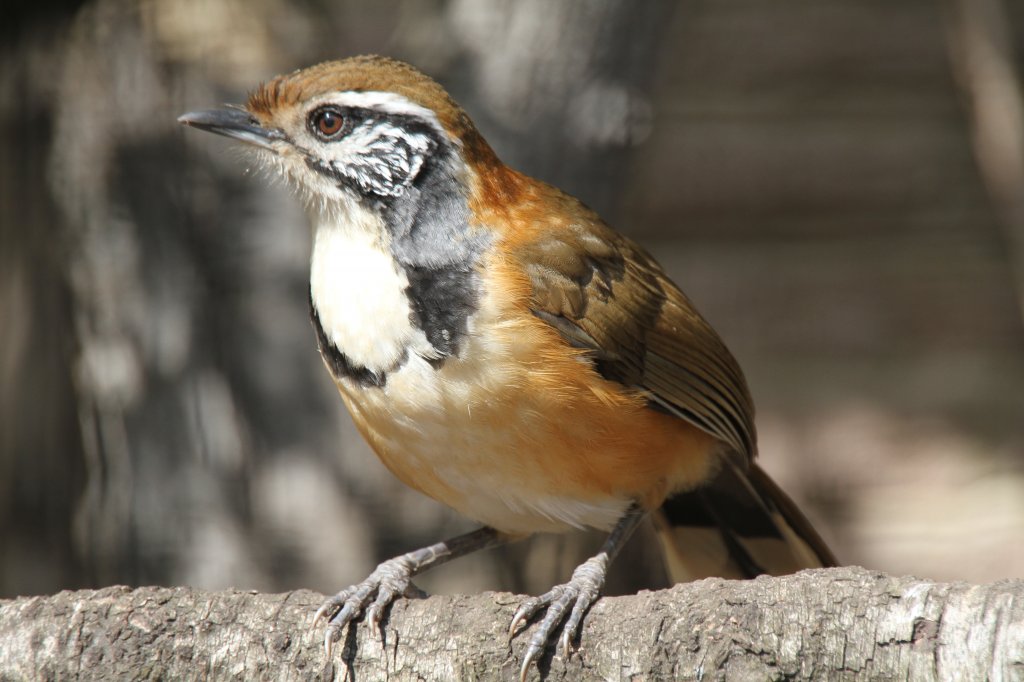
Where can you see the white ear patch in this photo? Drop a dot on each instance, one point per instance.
(381, 158)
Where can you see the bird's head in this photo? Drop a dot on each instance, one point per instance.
(362, 130)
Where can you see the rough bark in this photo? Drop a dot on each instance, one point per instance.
(846, 623)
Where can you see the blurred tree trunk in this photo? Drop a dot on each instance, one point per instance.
(826, 624)
(984, 61)
(41, 463)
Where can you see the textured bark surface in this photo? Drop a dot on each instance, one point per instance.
(844, 623)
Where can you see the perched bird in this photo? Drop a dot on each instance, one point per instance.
(506, 352)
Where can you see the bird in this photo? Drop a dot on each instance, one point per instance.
(506, 352)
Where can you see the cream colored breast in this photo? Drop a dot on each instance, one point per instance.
(360, 294)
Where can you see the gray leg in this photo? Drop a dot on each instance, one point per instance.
(393, 579)
(581, 591)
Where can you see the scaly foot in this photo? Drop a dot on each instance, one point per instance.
(580, 592)
(389, 581)
(393, 579)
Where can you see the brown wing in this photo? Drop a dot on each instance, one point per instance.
(604, 293)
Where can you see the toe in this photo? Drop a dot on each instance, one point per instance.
(529, 658)
(331, 635)
(375, 612)
(524, 613)
(572, 626)
(328, 608)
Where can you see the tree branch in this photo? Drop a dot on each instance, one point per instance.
(824, 624)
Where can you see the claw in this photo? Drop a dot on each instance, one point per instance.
(328, 641)
(373, 619)
(329, 605)
(524, 613)
(375, 613)
(516, 620)
(563, 641)
(529, 658)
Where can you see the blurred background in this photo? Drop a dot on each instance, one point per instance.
(838, 184)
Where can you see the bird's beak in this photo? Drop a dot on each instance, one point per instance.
(236, 123)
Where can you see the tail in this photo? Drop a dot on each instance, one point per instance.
(740, 525)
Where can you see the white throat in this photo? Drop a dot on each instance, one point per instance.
(358, 291)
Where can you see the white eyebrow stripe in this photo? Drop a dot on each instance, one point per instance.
(384, 102)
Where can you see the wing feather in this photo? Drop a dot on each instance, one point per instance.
(605, 294)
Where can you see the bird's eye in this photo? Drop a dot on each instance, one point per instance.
(327, 123)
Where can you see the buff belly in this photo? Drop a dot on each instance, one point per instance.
(516, 444)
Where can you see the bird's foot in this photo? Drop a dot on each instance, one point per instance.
(389, 581)
(393, 579)
(580, 592)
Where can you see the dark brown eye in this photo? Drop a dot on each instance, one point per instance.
(327, 122)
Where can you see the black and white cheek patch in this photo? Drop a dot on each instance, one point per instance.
(382, 158)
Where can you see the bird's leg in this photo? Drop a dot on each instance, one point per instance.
(393, 579)
(580, 592)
